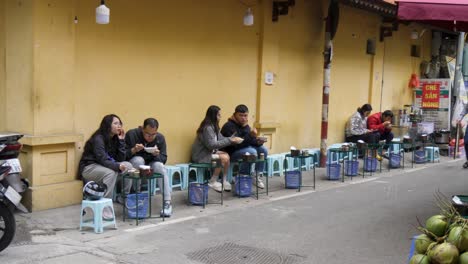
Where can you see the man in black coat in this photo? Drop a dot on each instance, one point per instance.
(237, 125)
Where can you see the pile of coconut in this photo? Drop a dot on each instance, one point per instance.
(444, 238)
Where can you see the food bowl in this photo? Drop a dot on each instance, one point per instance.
(151, 149)
(295, 152)
(264, 139)
(249, 158)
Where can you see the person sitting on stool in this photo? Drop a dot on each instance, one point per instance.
(356, 127)
(382, 124)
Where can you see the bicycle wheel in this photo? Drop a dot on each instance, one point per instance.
(7, 226)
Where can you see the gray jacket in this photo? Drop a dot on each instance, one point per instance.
(206, 143)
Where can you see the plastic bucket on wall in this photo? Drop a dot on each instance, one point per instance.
(243, 186)
(292, 179)
(196, 194)
(143, 202)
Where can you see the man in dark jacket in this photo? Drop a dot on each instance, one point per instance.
(146, 146)
(237, 125)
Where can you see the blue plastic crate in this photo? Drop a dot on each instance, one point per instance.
(292, 179)
(243, 186)
(333, 171)
(370, 164)
(351, 167)
(196, 194)
(143, 202)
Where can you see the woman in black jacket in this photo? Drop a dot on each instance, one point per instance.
(104, 156)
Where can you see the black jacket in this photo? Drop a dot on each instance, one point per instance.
(96, 151)
(232, 128)
(135, 136)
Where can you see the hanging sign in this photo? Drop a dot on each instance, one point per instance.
(430, 96)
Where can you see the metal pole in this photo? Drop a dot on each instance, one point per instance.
(458, 63)
(327, 54)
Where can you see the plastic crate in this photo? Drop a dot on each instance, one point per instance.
(333, 171)
(292, 179)
(196, 196)
(461, 208)
(143, 202)
(351, 167)
(370, 164)
(243, 186)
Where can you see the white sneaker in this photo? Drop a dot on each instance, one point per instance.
(107, 214)
(215, 186)
(259, 183)
(227, 186)
(167, 210)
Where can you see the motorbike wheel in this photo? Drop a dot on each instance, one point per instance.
(7, 226)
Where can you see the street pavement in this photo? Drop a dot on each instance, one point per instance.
(362, 220)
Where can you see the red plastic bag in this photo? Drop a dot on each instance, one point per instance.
(414, 81)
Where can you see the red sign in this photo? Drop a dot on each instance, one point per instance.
(430, 95)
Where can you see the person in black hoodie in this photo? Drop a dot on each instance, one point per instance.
(104, 156)
(138, 140)
(237, 125)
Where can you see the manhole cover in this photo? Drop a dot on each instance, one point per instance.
(231, 253)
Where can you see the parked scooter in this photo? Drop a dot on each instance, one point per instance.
(11, 187)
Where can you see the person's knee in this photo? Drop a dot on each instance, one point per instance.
(137, 161)
(158, 167)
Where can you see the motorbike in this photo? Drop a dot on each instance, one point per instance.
(11, 187)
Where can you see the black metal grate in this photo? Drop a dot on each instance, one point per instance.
(231, 253)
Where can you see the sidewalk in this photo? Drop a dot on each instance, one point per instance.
(65, 221)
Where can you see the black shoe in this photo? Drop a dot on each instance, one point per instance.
(465, 165)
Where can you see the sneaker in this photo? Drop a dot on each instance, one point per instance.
(215, 186)
(227, 186)
(465, 165)
(107, 214)
(167, 210)
(259, 183)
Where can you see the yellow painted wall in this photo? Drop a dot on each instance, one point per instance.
(166, 59)
(173, 65)
(19, 66)
(2, 65)
(399, 65)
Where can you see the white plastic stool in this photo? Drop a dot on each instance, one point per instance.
(432, 153)
(97, 206)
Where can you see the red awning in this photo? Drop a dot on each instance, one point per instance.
(449, 14)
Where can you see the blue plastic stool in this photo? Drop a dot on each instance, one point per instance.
(231, 171)
(429, 154)
(97, 206)
(312, 152)
(275, 164)
(175, 172)
(184, 167)
(289, 163)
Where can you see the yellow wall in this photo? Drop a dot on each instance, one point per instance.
(2, 66)
(19, 68)
(143, 65)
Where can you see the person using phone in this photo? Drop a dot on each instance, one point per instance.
(104, 157)
(208, 142)
(356, 127)
(238, 124)
(146, 146)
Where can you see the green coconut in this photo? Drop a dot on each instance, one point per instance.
(455, 236)
(437, 224)
(444, 253)
(463, 258)
(419, 259)
(421, 243)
